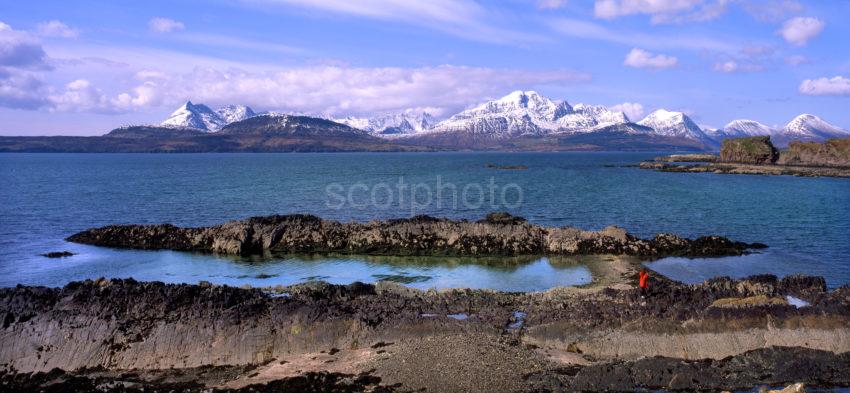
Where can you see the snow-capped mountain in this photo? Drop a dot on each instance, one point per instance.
(198, 116)
(738, 129)
(675, 124)
(518, 113)
(528, 113)
(391, 124)
(811, 126)
(201, 117)
(587, 118)
(747, 128)
(234, 113)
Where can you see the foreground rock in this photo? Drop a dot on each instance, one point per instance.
(498, 234)
(758, 156)
(565, 339)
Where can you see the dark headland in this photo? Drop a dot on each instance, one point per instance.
(758, 156)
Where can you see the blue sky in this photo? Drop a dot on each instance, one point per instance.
(85, 67)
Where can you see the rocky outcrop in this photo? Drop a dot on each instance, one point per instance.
(752, 150)
(124, 324)
(114, 325)
(832, 153)
(771, 366)
(499, 234)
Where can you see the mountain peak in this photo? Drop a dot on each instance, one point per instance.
(745, 127)
(402, 123)
(811, 126)
(675, 124)
(201, 117)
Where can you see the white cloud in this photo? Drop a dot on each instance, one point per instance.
(80, 96)
(165, 25)
(359, 91)
(551, 4)
(20, 50)
(55, 28)
(639, 58)
(463, 18)
(633, 110)
(332, 90)
(21, 59)
(592, 31)
(730, 66)
(835, 86)
(771, 10)
(662, 11)
(223, 41)
(796, 60)
(800, 30)
(21, 89)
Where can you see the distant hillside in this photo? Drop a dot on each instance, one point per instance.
(256, 134)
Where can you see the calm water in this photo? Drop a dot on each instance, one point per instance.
(46, 197)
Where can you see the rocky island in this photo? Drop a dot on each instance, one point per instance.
(499, 234)
(758, 156)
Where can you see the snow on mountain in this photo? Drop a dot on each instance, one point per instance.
(587, 118)
(391, 124)
(529, 113)
(811, 126)
(743, 128)
(201, 117)
(518, 113)
(234, 113)
(197, 116)
(738, 129)
(675, 124)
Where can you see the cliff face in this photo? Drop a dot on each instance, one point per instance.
(752, 150)
(495, 236)
(834, 152)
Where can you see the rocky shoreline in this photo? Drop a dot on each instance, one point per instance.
(748, 169)
(123, 334)
(499, 234)
(758, 156)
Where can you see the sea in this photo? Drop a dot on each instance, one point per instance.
(47, 197)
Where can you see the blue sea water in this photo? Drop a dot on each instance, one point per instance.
(47, 197)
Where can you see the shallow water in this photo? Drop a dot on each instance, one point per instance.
(46, 197)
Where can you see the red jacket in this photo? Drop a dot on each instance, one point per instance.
(644, 277)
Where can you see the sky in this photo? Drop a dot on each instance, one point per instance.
(86, 67)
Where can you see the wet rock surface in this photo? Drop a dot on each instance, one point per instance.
(771, 366)
(499, 234)
(58, 254)
(119, 325)
(183, 380)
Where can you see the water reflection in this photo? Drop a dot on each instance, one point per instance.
(525, 273)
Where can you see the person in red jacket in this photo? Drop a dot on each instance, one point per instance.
(643, 282)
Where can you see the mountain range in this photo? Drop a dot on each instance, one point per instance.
(519, 121)
(527, 115)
